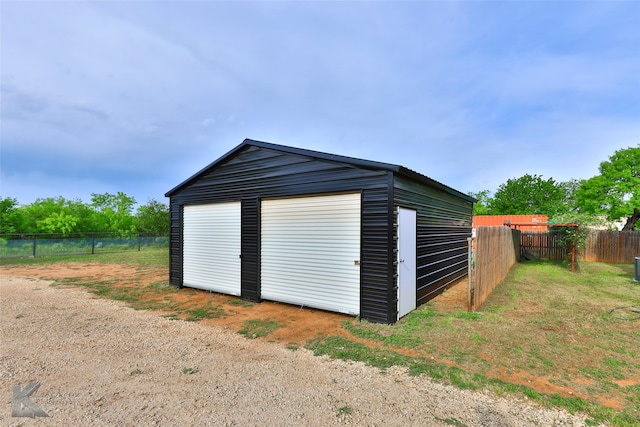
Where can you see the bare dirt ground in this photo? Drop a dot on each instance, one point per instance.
(103, 363)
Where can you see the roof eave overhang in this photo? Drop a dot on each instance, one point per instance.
(206, 168)
(368, 164)
(433, 183)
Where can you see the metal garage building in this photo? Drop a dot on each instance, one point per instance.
(271, 222)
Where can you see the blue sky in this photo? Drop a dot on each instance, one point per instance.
(136, 96)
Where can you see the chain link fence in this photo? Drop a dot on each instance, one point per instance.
(38, 245)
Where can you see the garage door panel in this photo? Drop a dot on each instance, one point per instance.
(309, 250)
(314, 298)
(336, 277)
(211, 249)
(318, 266)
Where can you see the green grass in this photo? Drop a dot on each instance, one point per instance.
(206, 312)
(145, 257)
(542, 321)
(344, 410)
(451, 422)
(162, 286)
(342, 348)
(239, 303)
(259, 328)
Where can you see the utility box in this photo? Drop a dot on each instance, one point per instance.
(637, 276)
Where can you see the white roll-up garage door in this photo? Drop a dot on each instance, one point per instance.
(211, 247)
(310, 252)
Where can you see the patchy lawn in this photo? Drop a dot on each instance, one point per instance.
(573, 335)
(562, 338)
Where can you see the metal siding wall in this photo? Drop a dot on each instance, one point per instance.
(378, 296)
(175, 244)
(444, 224)
(310, 251)
(264, 173)
(250, 241)
(269, 173)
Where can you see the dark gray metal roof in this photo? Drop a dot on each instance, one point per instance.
(367, 164)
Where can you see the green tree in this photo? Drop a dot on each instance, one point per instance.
(37, 211)
(529, 194)
(616, 190)
(153, 218)
(58, 222)
(570, 188)
(56, 215)
(9, 215)
(570, 236)
(481, 207)
(114, 212)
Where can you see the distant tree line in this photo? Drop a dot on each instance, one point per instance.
(105, 213)
(614, 193)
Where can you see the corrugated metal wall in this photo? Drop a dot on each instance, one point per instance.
(444, 224)
(250, 276)
(378, 301)
(257, 172)
(175, 243)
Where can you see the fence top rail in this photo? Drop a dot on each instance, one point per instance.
(96, 234)
(551, 224)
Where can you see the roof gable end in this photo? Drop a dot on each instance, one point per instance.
(367, 164)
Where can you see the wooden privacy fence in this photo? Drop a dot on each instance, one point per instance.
(543, 245)
(600, 246)
(612, 246)
(497, 250)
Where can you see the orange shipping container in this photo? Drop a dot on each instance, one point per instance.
(493, 220)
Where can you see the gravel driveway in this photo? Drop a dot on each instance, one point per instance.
(101, 363)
